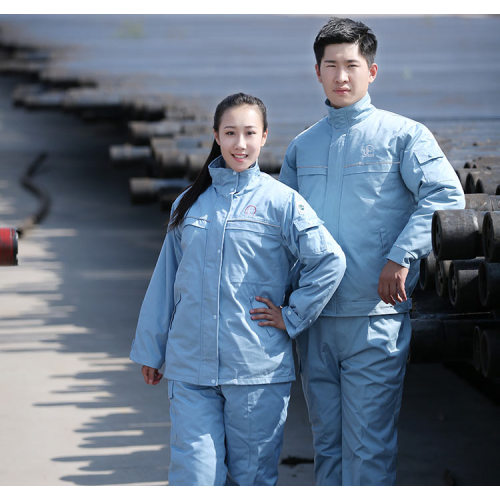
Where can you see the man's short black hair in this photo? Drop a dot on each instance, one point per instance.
(344, 30)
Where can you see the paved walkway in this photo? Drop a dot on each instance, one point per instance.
(75, 410)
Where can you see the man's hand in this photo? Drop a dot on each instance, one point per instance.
(151, 375)
(391, 284)
(271, 314)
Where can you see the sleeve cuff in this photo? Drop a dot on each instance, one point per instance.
(294, 324)
(401, 256)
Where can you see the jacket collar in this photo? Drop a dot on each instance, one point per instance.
(226, 181)
(348, 116)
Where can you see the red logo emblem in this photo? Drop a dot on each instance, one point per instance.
(250, 210)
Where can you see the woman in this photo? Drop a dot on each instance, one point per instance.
(232, 241)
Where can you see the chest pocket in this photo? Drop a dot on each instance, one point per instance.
(254, 251)
(194, 232)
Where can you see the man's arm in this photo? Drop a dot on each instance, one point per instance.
(435, 185)
(288, 172)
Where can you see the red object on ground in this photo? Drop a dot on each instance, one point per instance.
(8, 247)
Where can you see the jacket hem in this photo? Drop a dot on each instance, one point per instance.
(250, 381)
(365, 308)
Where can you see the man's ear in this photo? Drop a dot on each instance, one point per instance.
(373, 72)
(318, 73)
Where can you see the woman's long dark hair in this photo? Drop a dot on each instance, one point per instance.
(203, 180)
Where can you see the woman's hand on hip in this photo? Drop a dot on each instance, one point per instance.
(270, 315)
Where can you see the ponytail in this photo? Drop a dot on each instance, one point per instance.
(200, 185)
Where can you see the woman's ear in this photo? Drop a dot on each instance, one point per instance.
(216, 137)
(264, 138)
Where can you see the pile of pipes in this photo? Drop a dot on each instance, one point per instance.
(173, 152)
(172, 159)
(456, 313)
(48, 87)
(169, 139)
(480, 176)
(461, 278)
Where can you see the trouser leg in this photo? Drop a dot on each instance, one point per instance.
(235, 428)
(320, 375)
(352, 372)
(372, 377)
(197, 447)
(255, 417)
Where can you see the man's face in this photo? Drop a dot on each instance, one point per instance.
(344, 74)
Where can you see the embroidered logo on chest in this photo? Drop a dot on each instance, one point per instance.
(367, 151)
(250, 210)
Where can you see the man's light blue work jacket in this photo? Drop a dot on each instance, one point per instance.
(376, 179)
(238, 240)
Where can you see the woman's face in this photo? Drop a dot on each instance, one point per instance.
(241, 136)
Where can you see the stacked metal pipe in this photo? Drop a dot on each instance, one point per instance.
(173, 152)
(481, 176)
(168, 138)
(463, 270)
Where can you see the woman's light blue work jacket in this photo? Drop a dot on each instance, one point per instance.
(239, 240)
(376, 179)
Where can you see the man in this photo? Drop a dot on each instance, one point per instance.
(375, 178)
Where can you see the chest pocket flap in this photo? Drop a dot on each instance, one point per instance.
(311, 170)
(426, 154)
(254, 225)
(303, 223)
(196, 222)
(433, 164)
(311, 237)
(194, 233)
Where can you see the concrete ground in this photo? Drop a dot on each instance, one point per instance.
(75, 410)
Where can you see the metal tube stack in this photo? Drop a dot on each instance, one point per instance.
(168, 140)
(465, 267)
